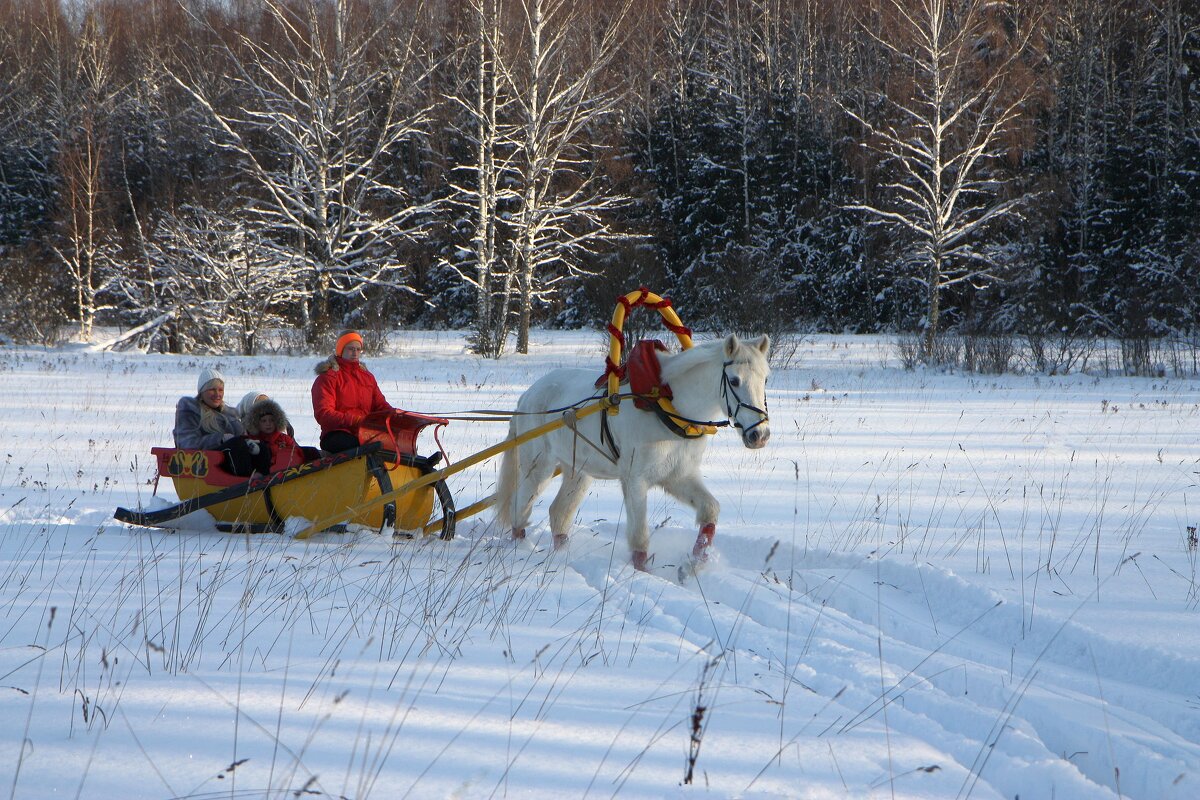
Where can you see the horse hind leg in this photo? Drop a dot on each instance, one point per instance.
(536, 472)
(636, 531)
(566, 503)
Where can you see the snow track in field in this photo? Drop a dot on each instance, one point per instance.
(918, 652)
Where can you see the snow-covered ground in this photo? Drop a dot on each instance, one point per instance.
(928, 585)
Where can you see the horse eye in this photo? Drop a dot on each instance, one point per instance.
(735, 381)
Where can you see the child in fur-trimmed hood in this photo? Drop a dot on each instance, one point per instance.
(267, 423)
(247, 402)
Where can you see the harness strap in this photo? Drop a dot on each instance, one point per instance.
(606, 438)
(571, 422)
(683, 427)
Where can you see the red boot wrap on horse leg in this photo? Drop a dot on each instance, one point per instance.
(639, 560)
(704, 541)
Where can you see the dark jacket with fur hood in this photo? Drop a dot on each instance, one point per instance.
(252, 417)
(343, 394)
(285, 452)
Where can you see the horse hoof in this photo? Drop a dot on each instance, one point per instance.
(560, 541)
(704, 541)
(518, 534)
(639, 560)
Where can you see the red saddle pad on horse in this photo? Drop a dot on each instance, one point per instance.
(644, 374)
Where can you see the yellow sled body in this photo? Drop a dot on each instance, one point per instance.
(339, 488)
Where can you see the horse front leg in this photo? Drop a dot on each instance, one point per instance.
(691, 490)
(636, 531)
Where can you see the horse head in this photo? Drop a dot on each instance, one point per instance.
(744, 388)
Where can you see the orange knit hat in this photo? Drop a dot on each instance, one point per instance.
(345, 339)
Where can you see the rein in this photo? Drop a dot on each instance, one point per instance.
(492, 415)
(671, 419)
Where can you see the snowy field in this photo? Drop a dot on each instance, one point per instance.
(927, 586)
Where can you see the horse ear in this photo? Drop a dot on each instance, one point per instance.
(764, 344)
(731, 345)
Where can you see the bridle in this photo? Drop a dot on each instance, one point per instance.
(731, 410)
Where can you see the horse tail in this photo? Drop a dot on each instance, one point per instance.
(506, 484)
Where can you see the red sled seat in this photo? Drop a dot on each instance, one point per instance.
(396, 430)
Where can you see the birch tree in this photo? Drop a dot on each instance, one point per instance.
(943, 135)
(219, 281)
(325, 104)
(83, 93)
(562, 209)
(481, 191)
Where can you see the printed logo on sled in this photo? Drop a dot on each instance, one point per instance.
(183, 464)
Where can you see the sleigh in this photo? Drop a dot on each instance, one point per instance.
(385, 483)
(347, 485)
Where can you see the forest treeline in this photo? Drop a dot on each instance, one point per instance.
(197, 173)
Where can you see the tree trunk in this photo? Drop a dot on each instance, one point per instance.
(490, 302)
(934, 310)
(525, 292)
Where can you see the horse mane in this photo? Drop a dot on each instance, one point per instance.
(679, 363)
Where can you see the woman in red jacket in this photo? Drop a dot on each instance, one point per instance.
(343, 394)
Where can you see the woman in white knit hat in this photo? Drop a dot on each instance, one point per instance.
(204, 422)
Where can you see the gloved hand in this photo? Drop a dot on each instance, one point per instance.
(253, 447)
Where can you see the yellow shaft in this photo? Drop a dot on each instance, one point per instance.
(433, 477)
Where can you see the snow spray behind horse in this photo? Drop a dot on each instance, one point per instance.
(723, 380)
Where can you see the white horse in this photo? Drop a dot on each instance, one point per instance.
(714, 381)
